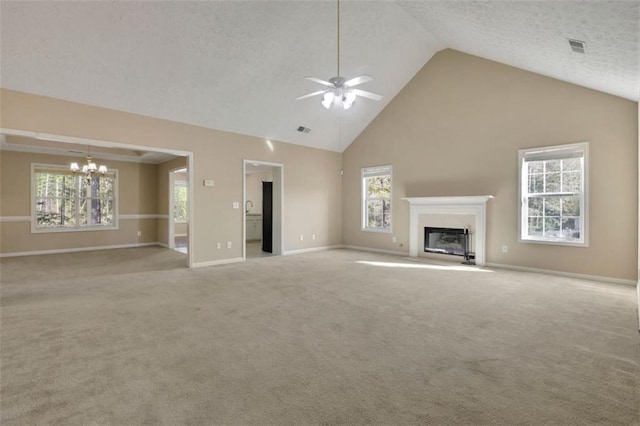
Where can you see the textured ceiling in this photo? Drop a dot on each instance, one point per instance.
(534, 35)
(238, 66)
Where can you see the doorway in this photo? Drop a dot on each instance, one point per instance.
(63, 145)
(263, 189)
(179, 210)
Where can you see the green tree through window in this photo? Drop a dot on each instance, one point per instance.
(180, 201)
(376, 188)
(553, 187)
(65, 201)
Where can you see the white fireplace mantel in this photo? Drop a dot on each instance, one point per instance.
(472, 205)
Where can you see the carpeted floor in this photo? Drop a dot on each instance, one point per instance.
(126, 337)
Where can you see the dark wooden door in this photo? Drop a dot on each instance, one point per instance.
(267, 216)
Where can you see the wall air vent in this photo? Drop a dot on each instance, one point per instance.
(304, 129)
(578, 46)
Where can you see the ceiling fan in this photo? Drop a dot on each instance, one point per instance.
(339, 91)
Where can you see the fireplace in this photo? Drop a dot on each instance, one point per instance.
(452, 241)
(472, 205)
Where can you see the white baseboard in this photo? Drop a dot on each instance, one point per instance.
(311, 250)
(375, 250)
(217, 262)
(74, 250)
(562, 274)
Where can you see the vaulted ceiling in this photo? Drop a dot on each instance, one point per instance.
(239, 65)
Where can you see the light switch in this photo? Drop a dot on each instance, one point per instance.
(236, 205)
(208, 183)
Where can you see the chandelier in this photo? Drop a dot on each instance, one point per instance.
(90, 169)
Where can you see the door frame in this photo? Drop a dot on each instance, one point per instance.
(278, 206)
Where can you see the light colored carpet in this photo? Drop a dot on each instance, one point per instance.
(127, 337)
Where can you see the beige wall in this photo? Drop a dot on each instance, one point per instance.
(456, 128)
(137, 194)
(312, 183)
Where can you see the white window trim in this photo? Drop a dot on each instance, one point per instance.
(363, 199)
(584, 207)
(36, 230)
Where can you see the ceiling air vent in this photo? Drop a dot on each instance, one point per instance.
(578, 46)
(304, 129)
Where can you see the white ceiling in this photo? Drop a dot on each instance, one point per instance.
(238, 66)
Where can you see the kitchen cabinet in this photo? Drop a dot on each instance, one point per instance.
(254, 227)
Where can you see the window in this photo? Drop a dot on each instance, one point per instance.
(64, 202)
(180, 204)
(553, 188)
(376, 199)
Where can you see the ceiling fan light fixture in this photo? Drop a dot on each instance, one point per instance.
(348, 99)
(328, 99)
(338, 90)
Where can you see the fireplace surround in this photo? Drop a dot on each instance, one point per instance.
(471, 205)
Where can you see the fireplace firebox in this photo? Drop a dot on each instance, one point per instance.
(452, 241)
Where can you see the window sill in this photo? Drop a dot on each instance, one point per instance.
(377, 230)
(86, 229)
(554, 242)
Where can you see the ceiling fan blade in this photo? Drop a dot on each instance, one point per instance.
(358, 80)
(366, 94)
(309, 95)
(317, 80)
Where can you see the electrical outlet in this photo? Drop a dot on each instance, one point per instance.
(505, 248)
(219, 246)
(236, 205)
(301, 237)
(139, 233)
(313, 236)
(228, 244)
(394, 239)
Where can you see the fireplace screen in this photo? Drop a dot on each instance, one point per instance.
(454, 241)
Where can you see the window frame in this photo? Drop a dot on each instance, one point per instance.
(553, 152)
(77, 227)
(363, 201)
